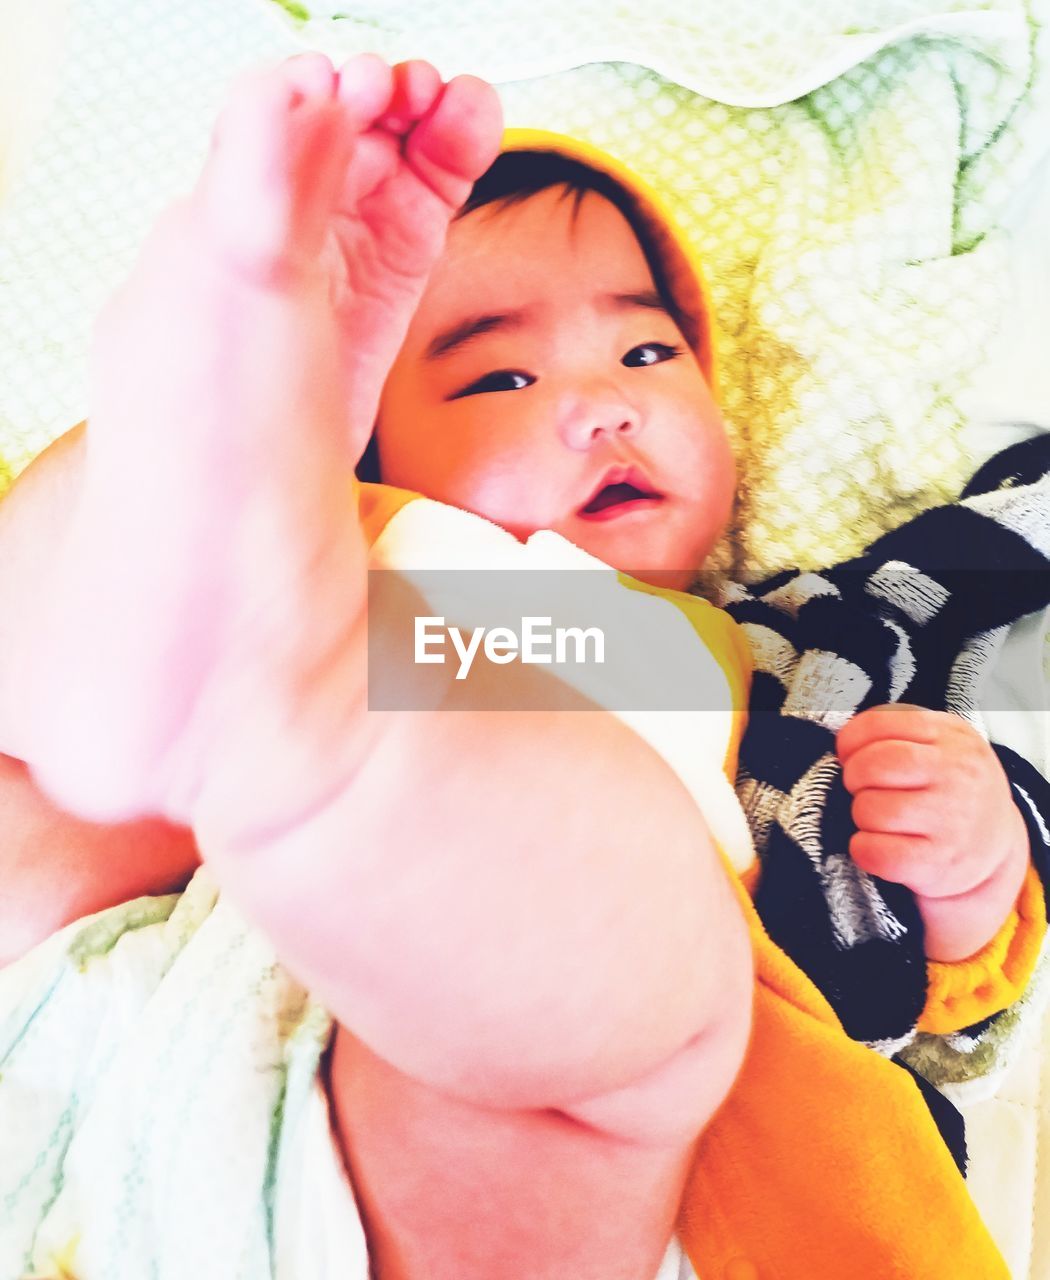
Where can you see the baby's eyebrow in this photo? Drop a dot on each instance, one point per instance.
(639, 298)
(463, 331)
(458, 335)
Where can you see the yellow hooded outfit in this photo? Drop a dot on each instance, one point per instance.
(824, 1161)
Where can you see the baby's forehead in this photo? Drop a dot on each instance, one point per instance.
(532, 265)
(512, 265)
(534, 235)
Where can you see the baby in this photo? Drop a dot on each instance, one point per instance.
(562, 1032)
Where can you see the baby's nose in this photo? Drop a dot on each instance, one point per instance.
(589, 417)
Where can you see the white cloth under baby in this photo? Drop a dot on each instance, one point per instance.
(160, 1108)
(158, 1105)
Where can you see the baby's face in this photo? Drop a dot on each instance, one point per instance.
(542, 385)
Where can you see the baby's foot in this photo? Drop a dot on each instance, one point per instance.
(354, 176)
(214, 567)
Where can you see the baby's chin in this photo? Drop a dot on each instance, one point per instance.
(640, 553)
(653, 555)
(665, 579)
(668, 577)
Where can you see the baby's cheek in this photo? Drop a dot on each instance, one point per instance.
(718, 453)
(712, 496)
(510, 485)
(719, 472)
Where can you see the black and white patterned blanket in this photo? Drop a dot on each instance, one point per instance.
(918, 618)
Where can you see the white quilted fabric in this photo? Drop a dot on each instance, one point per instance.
(140, 86)
(849, 233)
(160, 1107)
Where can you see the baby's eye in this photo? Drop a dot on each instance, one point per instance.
(650, 353)
(499, 380)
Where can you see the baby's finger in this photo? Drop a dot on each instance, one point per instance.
(900, 859)
(890, 763)
(889, 812)
(895, 720)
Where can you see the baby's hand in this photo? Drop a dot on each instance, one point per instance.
(934, 812)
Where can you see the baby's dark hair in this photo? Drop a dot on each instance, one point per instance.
(516, 176)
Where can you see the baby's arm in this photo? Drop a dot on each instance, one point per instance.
(934, 812)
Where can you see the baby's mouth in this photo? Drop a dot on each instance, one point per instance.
(623, 489)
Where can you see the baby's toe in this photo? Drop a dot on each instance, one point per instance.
(416, 87)
(276, 165)
(453, 146)
(366, 84)
(308, 77)
(261, 100)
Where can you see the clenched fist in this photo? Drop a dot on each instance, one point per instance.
(934, 812)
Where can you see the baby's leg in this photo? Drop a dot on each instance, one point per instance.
(55, 867)
(249, 253)
(522, 911)
(451, 1191)
(234, 384)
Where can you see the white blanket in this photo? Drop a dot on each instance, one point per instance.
(850, 235)
(159, 1106)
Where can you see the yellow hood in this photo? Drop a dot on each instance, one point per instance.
(681, 266)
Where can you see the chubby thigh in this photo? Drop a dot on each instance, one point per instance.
(450, 1190)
